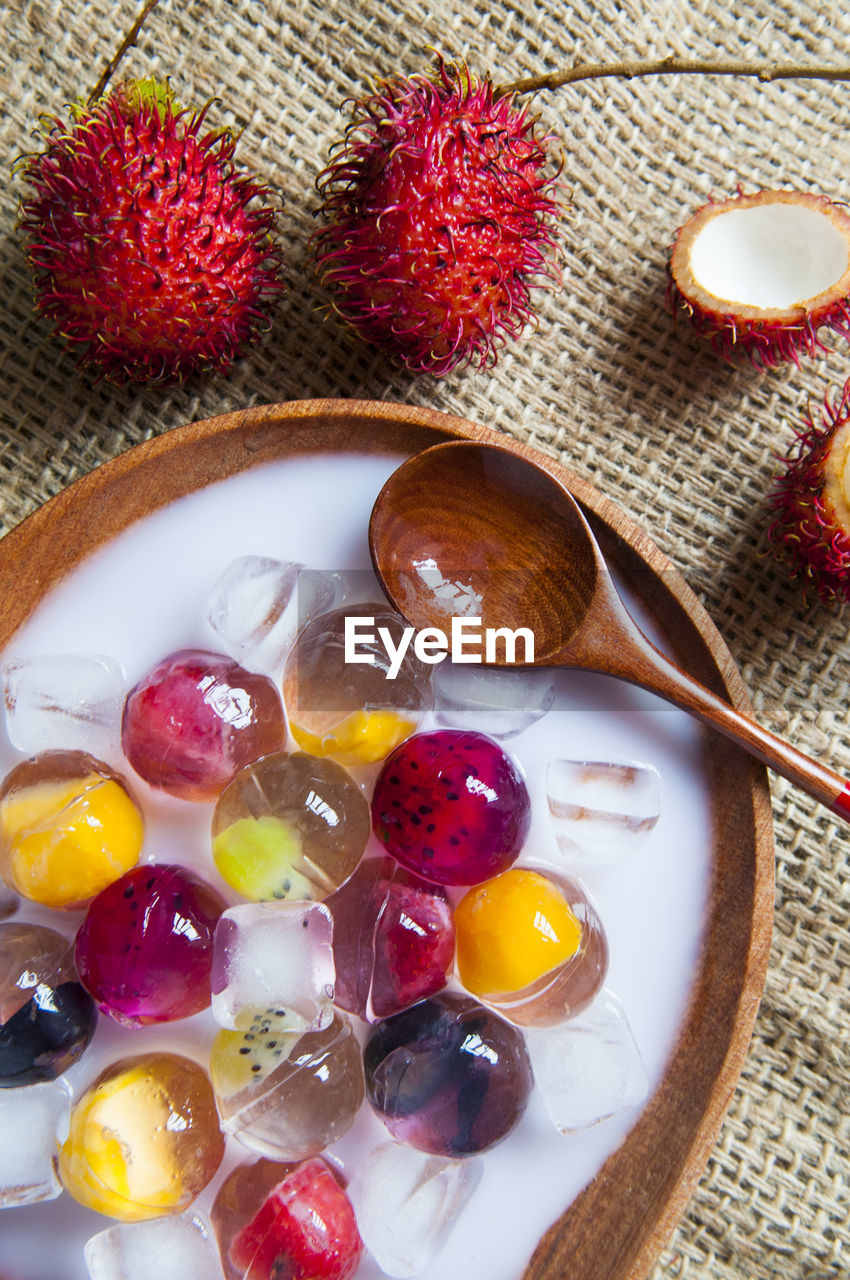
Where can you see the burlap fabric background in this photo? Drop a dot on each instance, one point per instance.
(639, 406)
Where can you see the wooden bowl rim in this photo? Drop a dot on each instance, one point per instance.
(617, 1226)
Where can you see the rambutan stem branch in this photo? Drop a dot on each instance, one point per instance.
(630, 70)
(117, 58)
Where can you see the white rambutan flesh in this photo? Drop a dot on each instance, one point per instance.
(760, 275)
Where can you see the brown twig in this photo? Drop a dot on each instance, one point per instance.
(630, 70)
(115, 61)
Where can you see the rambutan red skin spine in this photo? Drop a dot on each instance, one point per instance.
(766, 343)
(440, 220)
(804, 531)
(149, 251)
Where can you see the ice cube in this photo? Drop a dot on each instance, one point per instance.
(171, 1248)
(500, 701)
(34, 1123)
(274, 957)
(589, 1068)
(252, 610)
(322, 590)
(257, 605)
(64, 701)
(601, 812)
(407, 1202)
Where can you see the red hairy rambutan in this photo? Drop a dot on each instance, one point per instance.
(811, 502)
(148, 251)
(760, 275)
(440, 207)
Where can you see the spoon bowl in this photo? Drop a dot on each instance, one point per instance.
(479, 530)
(482, 521)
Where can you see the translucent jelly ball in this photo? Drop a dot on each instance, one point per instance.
(283, 1094)
(447, 1075)
(196, 719)
(68, 827)
(290, 826)
(145, 948)
(278, 1221)
(451, 806)
(144, 1138)
(351, 710)
(46, 1018)
(393, 939)
(531, 945)
(9, 902)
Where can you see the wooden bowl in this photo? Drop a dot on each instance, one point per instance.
(615, 1229)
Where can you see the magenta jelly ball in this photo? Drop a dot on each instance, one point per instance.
(451, 806)
(196, 719)
(144, 950)
(393, 939)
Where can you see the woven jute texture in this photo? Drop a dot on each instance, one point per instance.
(637, 404)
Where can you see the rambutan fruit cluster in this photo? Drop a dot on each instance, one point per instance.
(440, 207)
(152, 254)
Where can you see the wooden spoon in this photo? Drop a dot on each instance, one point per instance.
(467, 527)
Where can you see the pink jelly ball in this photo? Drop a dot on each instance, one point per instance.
(451, 806)
(196, 719)
(144, 950)
(393, 939)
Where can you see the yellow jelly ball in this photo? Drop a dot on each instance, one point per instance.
(364, 737)
(144, 1139)
(512, 930)
(63, 841)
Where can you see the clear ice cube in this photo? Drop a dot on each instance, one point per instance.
(171, 1248)
(257, 605)
(274, 958)
(406, 1203)
(589, 1068)
(252, 610)
(601, 811)
(500, 701)
(64, 701)
(34, 1123)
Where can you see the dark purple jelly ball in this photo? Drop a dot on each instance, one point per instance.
(393, 940)
(451, 806)
(447, 1075)
(144, 950)
(46, 1018)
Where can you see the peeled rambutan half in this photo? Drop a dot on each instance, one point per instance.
(440, 206)
(152, 254)
(760, 275)
(810, 502)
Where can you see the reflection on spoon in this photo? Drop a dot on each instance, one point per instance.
(502, 526)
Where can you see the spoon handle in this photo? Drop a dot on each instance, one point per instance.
(649, 668)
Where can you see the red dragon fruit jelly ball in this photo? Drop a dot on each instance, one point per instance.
(276, 1221)
(144, 950)
(196, 719)
(451, 806)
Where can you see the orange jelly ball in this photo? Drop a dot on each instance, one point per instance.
(530, 945)
(511, 931)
